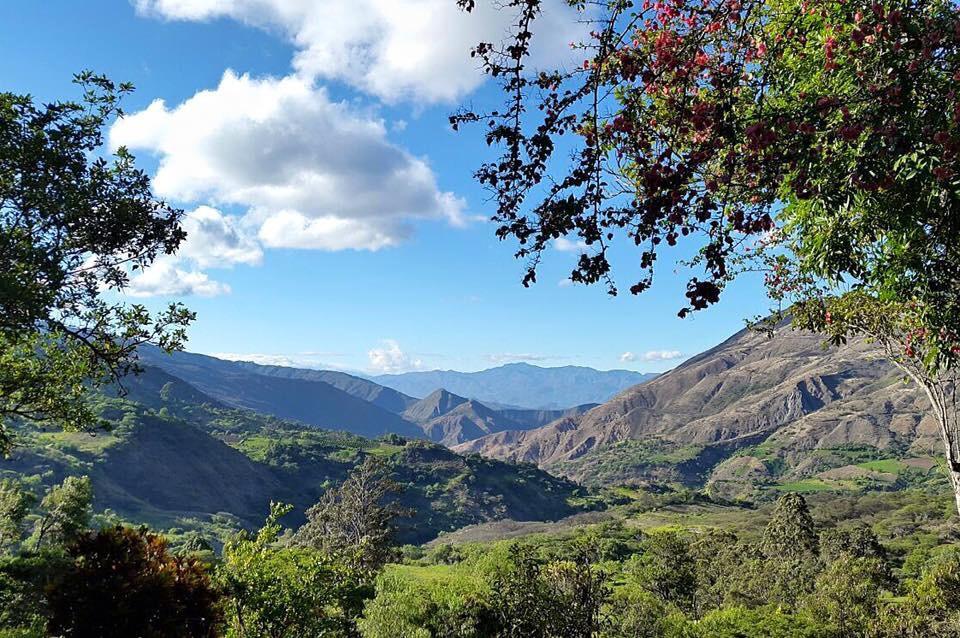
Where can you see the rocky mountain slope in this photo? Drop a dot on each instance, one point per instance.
(451, 419)
(520, 385)
(752, 408)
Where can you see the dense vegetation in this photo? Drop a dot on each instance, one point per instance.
(669, 565)
(74, 223)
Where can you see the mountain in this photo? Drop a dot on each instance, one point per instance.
(451, 419)
(381, 396)
(437, 403)
(753, 410)
(178, 458)
(331, 400)
(520, 385)
(337, 400)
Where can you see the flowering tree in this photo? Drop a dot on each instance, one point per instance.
(814, 140)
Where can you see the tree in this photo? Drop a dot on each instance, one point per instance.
(124, 582)
(15, 504)
(789, 547)
(287, 592)
(637, 613)
(932, 605)
(560, 599)
(725, 568)
(790, 533)
(454, 607)
(667, 569)
(66, 512)
(73, 224)
(847, 593)
(354, 521)
(817, 141)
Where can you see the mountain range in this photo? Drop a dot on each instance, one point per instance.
(340, 401)
(176, 457)
(201, 442)
(756, 411)
(520, 385)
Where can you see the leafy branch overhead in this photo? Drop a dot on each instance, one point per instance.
(814, 141)
(827, 130)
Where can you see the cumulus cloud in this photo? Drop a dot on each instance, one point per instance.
(166, 278)
(217, 240)
(651, 355)
(309, 171)
(391, 359)
(214, 240)
(394, 49)
(569, 246)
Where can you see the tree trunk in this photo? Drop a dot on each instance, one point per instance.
(942, 393)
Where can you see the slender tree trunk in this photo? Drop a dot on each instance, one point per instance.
(941, 390)
(943, 398)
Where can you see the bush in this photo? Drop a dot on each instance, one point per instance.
(446, 608)
(287, 592)
(124, 582)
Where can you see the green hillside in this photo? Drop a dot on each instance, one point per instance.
(174, 458)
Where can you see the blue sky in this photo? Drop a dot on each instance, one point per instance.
(335, 220)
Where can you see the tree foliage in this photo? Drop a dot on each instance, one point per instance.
(355, 520)
(286, 592)
(718, 122)
(666, 568)
(559, 599)
(72, 225)
(791, 532)
(15, 503)
(67, 510)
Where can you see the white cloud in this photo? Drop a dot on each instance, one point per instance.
(310, 172)
(166, 278)
(217, 240)
(568, 246)
(394, 49)
(214, 240)
(290, 229)
(651, 355)
(391, 359)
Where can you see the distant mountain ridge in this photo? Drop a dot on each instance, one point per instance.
(307, 396)
(451, 419)
(337, 400)
(520, 385)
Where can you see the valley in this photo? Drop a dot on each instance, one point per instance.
(195, 441)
